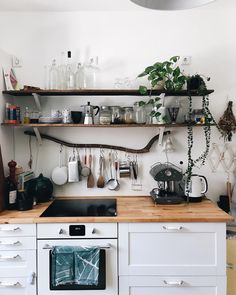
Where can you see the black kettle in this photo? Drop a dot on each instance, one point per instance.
(41, 188)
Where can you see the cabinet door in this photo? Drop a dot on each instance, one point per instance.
(172, 249)
(17, 286)
(231, 272)
(17, 230)
(138, 285)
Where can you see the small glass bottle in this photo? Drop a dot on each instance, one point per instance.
(53, 76)
(105, 115)
(91, 72)
(26, 119)
(128, 115)
(70, 77)
(79, 77)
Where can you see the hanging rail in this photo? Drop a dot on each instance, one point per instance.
(146, 149)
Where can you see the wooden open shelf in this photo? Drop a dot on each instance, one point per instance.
(103, 92)
(106, 126)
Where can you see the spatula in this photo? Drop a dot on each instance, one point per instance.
(90, 180)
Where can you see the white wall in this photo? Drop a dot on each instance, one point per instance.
(126, 42)
(6, 134)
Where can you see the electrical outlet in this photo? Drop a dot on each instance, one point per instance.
(186, 60)
(16, 62)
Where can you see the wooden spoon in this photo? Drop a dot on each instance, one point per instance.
(90, 180)
(101, 179)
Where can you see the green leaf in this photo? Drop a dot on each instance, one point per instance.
(157, 114)
(175, 58)
(149, 69)
(152, 114)
(143, 90)
(157, 106)
(151, 101)
(142, 75)
(156, 99)
(141, 103)
(176, 72)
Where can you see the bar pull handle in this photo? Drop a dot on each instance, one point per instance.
(48, 247)
(172, 227)
(8, 285)
(9, 229)
(10, 243)
(229, 266)
(173, 283)
(10, 257)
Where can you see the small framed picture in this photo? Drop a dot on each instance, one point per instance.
(10, 79)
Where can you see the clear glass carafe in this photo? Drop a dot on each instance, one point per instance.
(53, 76)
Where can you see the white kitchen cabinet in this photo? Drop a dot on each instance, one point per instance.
(136, 285)
(172, 258)
(18, 259)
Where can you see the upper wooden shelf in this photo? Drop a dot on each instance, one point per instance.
(104, 92)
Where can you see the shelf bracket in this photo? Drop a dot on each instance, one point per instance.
(161, 134)
(38, 135)
(37, 100)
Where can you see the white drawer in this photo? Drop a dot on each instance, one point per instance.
(172, 249)
(138, 285)
(62, 230)
(17, 286)
(17, 263)
(17, 243)
(12, 230)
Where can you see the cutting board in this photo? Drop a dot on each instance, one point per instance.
(2, 184)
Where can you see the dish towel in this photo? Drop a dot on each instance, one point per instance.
(75, 265)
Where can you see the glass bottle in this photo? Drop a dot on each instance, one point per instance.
(62, 72)
(26, 119)
(11, 186)
(53, 76)
(70, 77)
(91, 72)
(117, 116)
(140, 114)
(79, 77)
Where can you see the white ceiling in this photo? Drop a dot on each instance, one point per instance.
(66, 5)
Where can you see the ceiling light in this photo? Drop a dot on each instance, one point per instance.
(171, 4)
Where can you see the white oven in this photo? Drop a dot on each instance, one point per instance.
(103, 235)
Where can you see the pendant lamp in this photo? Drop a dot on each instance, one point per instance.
(171, 4)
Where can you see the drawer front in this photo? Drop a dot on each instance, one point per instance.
(17, 243)
(231, 251)
(17, 263)
(91, 230)
(172, 249)
(138, 285)
(17, 286)
(19, 230)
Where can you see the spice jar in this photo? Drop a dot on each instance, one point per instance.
(198, 116)
(105, 115)
(117, 115)
(128, 115)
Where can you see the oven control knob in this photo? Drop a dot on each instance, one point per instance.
(94, 231)
(61, 231)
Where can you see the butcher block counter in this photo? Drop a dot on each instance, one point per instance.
(129, 209)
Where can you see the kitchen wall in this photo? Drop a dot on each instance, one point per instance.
(126, 42)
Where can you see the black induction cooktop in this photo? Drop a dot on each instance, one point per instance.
(81, 207)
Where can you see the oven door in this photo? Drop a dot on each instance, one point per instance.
(108, 282)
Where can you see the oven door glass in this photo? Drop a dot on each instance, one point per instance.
(101, 277)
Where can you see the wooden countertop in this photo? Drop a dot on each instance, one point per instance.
(130, 209)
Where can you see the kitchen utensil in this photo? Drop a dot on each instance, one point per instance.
(2, 184)
(101, 179)
(24, 201)
(43, 188)
(73, 172)
(89, 113)
(79, 164)
(112, 183)
(196, 188)
(85, 171)
(90, 180)
(59, 174)
(136, 184)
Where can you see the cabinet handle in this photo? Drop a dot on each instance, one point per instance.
(9, 229)
(10, 257)
(230, 266)
(17, 284)
(173, 283)
(9, 243)
(61, 231)
(94, 231)
(172, 227)
(49, 247)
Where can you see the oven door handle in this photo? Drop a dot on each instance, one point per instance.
(48, 247)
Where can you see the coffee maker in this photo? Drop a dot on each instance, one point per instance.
(169, 188)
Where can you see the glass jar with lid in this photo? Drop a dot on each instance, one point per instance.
(128, 115)
(140, 114)
(117, 115)
(105, 115)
